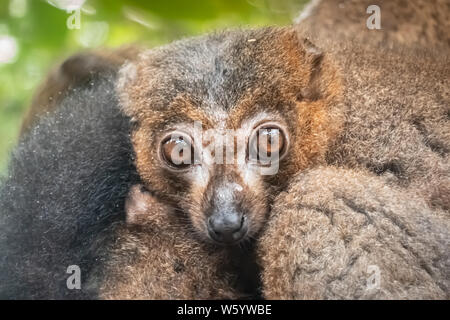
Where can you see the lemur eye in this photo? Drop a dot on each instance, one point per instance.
(267, 144)
(270, 140)
(177, 151)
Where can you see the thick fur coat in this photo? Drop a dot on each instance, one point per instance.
(343, 227)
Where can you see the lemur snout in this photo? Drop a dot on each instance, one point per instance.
(227, 216)
(227, 227)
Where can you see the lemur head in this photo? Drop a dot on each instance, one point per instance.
(222, 122)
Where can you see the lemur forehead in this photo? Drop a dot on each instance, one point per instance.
(218, 69)
(224, 124)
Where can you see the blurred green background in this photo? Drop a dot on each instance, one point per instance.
(36, 34)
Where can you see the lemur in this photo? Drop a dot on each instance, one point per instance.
(272, 88)
(218, 83)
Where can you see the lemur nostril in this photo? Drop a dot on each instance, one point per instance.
(227, 228)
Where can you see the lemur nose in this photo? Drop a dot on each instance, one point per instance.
(227, 228)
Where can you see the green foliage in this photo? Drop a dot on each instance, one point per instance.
(44, 39)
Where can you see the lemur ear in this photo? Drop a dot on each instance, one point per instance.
(127, 75)
(76, 71)
(313, 52)
(314, 56)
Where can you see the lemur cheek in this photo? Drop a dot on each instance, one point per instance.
(258, 217)
(198, 221)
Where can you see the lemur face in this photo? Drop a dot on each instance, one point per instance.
(221, 123)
